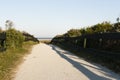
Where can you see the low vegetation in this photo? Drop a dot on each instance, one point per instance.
(11, 58)
(104, 51)
(14, 38)
(16, 47)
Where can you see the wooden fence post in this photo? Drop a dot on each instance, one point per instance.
(85, 42)
(100, 42)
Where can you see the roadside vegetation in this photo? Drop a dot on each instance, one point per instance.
(16, 46)
(103, 51)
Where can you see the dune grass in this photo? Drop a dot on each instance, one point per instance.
(11, 58)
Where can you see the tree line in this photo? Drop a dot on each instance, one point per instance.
(101, 29)
(104, 27)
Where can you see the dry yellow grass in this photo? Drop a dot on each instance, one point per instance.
(11, 58)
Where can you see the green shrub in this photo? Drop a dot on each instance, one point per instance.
(14, 38)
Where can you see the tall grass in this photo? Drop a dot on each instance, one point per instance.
(11, 58)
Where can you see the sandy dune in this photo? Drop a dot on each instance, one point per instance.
(48, 62)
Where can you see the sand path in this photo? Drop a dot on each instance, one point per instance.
(48, 62)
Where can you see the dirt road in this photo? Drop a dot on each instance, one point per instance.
(48, 62)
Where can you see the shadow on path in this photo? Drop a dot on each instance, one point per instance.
(78, 65)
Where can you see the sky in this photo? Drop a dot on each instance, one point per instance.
(48, 18)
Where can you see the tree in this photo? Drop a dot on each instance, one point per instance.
(89, 30)
(102, 27)
(118, 19)
(9, 24)
(82, 31)
(74, 32)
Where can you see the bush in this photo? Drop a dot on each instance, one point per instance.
(14, 38)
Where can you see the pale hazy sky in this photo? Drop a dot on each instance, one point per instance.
(47, 18)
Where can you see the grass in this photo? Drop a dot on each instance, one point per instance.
(11, 58)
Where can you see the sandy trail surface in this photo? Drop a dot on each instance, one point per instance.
(48, 62)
